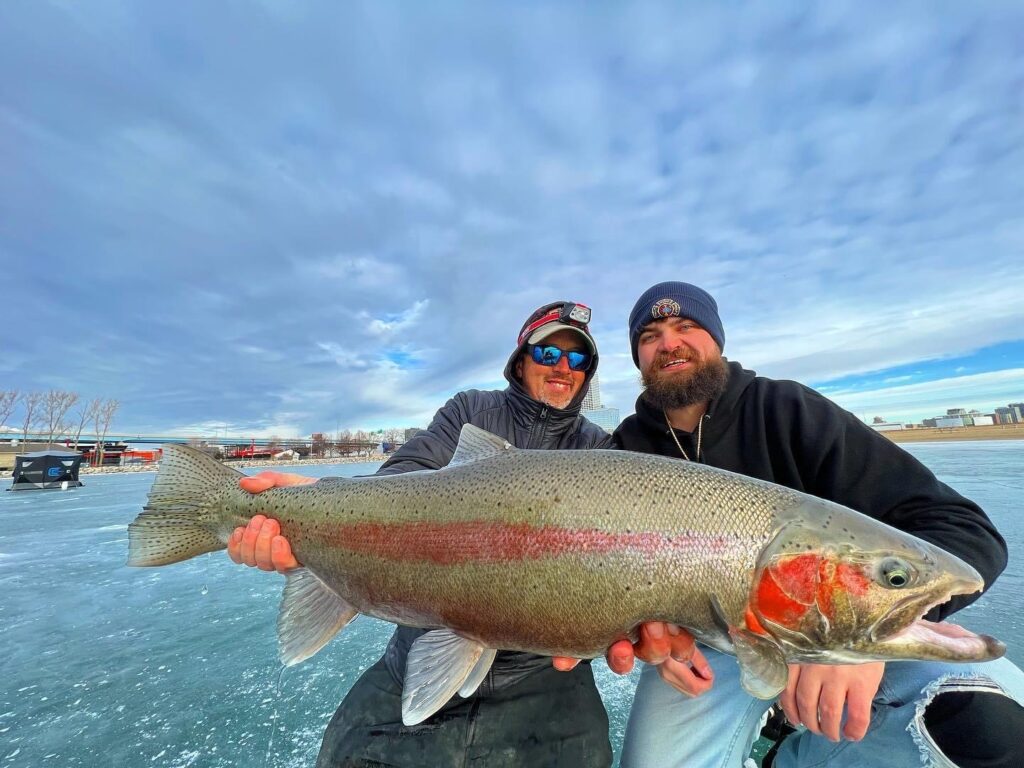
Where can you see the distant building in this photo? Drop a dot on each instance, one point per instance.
(1005, 416)
(606, 418)
(945, 422)
(1018, 411)
(593, 409)
(983, 421)
(592, 400)
(410, 433)
(886, 426)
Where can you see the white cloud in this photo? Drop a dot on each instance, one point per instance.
(913, 402)
(395, 323)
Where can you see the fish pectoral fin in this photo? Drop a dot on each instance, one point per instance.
(479, 672)
(440, 663)
(763, 669)
(476, 444)
(311, 614)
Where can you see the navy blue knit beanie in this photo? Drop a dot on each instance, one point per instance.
(675, 300)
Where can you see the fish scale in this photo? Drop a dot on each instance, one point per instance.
(563, 553)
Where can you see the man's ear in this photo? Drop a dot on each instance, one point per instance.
(518, 369)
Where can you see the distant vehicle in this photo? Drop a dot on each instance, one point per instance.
(46, 470)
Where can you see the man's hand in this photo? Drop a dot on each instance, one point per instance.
(681, 665)
(817, 693)
(264, 481)
(260, 543)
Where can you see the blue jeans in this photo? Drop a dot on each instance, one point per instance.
(717, 729)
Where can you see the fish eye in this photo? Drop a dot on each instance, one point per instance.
(895, 573)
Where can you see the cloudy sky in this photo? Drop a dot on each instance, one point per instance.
(277, 218)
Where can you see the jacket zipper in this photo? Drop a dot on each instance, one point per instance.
(542, 422)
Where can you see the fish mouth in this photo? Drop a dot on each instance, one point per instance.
(943, 641)
(924, 639)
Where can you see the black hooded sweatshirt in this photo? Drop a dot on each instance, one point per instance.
(786, 433)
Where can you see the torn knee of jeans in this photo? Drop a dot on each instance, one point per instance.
(968, 723)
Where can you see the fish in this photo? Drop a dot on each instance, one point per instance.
(563, 552)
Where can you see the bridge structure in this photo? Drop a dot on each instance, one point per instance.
(307, 444)
(34, 437)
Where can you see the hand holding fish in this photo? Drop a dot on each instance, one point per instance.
(260, 543)
(659, 642)
(683, 665)
(816, 694)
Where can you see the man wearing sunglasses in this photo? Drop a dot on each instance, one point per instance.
(698, 406)
(529, 711)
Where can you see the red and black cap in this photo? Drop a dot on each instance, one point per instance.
(554, 317)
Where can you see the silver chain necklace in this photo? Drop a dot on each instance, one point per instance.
(671, 431)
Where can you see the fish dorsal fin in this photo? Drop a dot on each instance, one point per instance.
(438, 665)
(763, 669)
(476, 444)
(311, 614)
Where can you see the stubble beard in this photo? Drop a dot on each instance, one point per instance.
(664, 392)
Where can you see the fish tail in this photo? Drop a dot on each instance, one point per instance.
(184, 515)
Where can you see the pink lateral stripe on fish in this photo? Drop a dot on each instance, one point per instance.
(457, 543)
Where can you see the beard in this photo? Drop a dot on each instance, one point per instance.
(667, 391)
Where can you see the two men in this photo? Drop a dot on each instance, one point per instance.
(696, 406)
(527, 712)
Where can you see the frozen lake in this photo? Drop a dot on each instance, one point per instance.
(176, 666)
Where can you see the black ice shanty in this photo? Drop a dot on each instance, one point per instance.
(46, 469)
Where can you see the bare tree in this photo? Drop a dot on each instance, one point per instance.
(393, 436)
(101, 420)
(361, 437)
(8, 400)
(55, 406)
(85, 413)
(30, 404)
(342, 441)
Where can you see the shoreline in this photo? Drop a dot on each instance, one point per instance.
(283, 465)
(943, 434)
(916, 435)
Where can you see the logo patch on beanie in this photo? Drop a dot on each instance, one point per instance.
(665, 308)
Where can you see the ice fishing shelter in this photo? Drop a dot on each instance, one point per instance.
(46, 469)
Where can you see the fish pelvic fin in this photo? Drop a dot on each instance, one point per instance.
(311, 614)
(763, 669)
(479, 672)
(476, 444)
(440, 664)
(181, 518)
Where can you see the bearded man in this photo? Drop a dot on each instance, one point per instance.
(696, 406)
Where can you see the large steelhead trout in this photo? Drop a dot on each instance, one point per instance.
(564, 552)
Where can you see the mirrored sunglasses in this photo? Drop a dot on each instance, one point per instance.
(549, 355)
